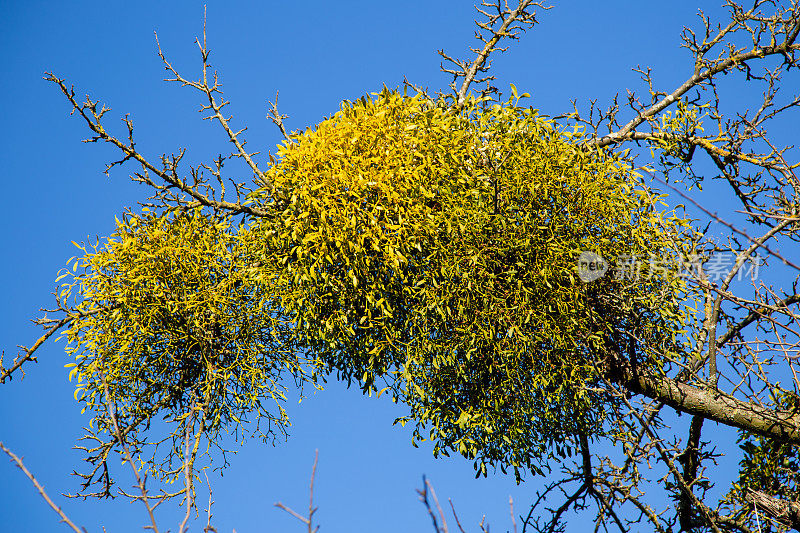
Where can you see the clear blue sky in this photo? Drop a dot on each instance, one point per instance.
(316, 53)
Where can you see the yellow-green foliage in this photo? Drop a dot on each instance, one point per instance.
(672, 152)
(171, 323)
(411, 243)
(436, 249)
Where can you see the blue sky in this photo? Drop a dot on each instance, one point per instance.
(317, 54)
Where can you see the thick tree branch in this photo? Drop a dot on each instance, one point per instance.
(715, 405)
(784, 512)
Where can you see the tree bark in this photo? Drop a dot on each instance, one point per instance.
(714, 405)
(783, 511)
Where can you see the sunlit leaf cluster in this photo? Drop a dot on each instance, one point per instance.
(669, 146)
(435, 248)
(170, 323)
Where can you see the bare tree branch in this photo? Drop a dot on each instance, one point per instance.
(307, 520)
(499, 22)
(64, 518)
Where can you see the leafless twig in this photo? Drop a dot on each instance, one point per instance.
(18, 462)
(307, 520)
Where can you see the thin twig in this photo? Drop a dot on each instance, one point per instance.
(308, 521)
(18, 461)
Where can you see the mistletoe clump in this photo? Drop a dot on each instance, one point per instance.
(170, 325)
(434, 247)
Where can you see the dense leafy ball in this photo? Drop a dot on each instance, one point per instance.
(436, 248)
(170, 324)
